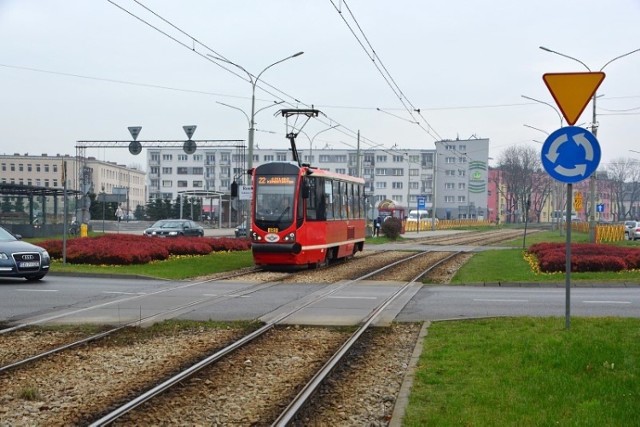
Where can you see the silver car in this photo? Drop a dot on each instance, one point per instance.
(632, 230)
(22, 259)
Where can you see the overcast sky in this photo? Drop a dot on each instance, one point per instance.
(86, 70)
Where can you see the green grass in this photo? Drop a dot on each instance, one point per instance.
(175, 268)
(528, 371)
(509, 265)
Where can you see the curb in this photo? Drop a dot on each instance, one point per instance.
(405, 389)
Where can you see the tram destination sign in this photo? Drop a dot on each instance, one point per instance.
(276, 180)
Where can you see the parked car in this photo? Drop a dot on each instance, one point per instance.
(174, 228)
(241, 230)
(632, 230)
(22, 259)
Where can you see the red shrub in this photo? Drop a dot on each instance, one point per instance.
(122, 249)
(585, 257)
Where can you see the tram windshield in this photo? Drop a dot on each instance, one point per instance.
(274, 201)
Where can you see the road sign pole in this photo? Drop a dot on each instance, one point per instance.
(567, 321)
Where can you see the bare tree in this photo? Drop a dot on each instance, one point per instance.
(526, 184)
(624, 175)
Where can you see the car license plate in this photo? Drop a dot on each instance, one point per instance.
(29, 264)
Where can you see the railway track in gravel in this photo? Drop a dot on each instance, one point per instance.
(470, 238)
(294, 397)
(46, 372)
(13, 352)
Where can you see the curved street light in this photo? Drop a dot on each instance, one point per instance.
(545, 103)
(254, 81)
(594, 131)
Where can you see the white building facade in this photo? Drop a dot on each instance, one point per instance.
(456, 169)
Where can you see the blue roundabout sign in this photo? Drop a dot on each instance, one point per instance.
(571, 154)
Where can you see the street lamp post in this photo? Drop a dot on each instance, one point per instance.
(254, 82)
(594, 131)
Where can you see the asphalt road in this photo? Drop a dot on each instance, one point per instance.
(65, 299)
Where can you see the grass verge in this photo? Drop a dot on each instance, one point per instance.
(528, 371)
(509, 265)
(175, 268)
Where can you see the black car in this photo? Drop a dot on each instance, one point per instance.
(22, 259)
(241, 230)
(174, 228)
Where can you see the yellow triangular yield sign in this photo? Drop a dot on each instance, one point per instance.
(572, 91)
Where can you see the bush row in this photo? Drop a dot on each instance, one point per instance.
(125, 249)
(585, 257)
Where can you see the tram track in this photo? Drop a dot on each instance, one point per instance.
(302, 396)
(102, 372)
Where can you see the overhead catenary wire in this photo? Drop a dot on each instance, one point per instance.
(294, 103)
(384, 72)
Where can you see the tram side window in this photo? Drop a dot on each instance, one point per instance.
(312, 201)
(328, 198)
(362, 202)
(354, 201)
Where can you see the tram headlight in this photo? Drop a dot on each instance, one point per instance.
(291, 237)
(255, 236)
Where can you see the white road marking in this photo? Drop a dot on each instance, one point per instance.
(226, 295)
(37, 290)
(123, 293)
(606, 302)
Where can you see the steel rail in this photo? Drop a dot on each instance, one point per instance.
(181, 376)
(294, 407)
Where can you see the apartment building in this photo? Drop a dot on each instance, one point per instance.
(457, 169)
(82, 174)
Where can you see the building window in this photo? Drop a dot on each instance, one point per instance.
(197, 171)
(182, 171)
(183, 157)
(397, 172)
(462, 147)
(398, 159)
(21, 167)
(154, 170)
(182, 184)
(46, 168)
(462, 186)
(462, 199)
(462, 172)
(449, 186)
(381, 171)
(13, 167)
(450, 172)
(341, 170)
(462, 159)
(155, 157)
(197, 157)
(381, 184)
(449, 199)
(167, 157)
(166, 170)
(167, 183)
(197, 184)
(396, 185)
(269, 157)
(381, 159)
(449, 160)
(450, 147)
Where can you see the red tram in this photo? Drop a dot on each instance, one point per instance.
(304, 216)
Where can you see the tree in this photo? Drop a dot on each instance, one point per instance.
(6, 205)
(522, 174)
(624, 176)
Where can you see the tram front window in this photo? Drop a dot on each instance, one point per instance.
(274, 204)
